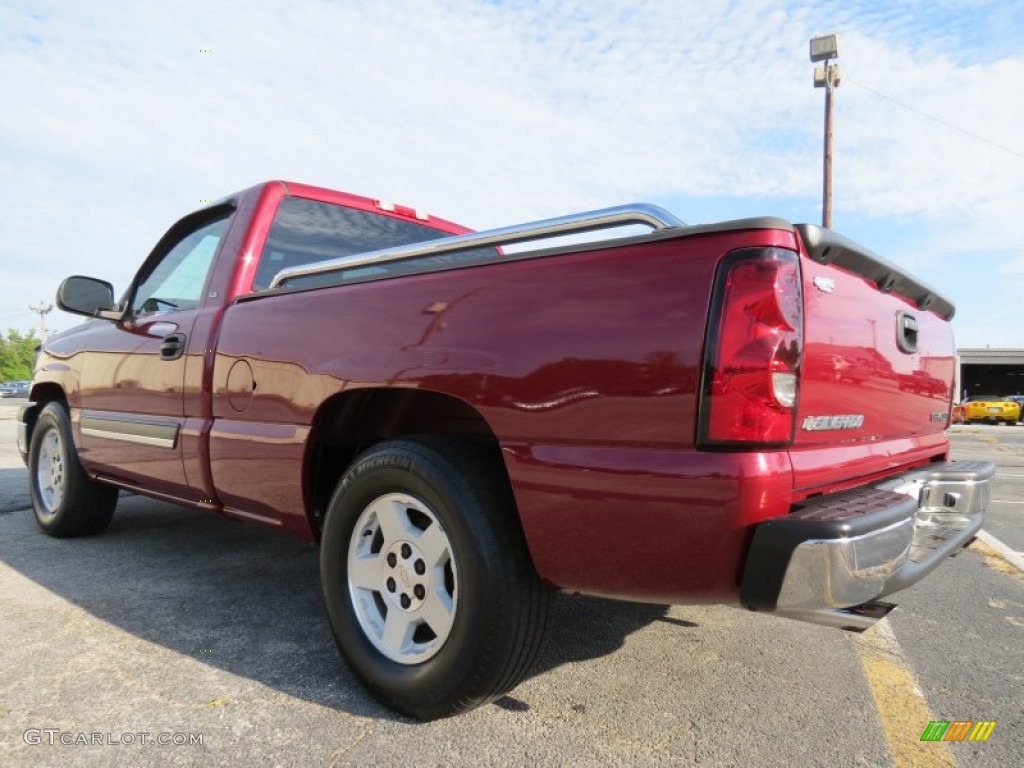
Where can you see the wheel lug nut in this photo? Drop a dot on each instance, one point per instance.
(419, 591)
(420, 567)
(391, 585)
(392, 560)
(406, 551)
(405, 600)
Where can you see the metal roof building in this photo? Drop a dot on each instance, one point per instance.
(985, 371)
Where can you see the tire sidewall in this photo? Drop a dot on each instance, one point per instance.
(453, 665)
(49, 419)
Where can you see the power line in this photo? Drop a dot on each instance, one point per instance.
(938, 120)
(14, 317)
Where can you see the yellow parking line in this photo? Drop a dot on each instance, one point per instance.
(998, 555)
(901, 705)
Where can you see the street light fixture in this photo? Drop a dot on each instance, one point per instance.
(825, 48)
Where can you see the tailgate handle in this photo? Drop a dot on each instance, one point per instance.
(906, 332)
(172, 347)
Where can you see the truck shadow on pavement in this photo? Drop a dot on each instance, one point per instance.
(13, 490)
(247, 600)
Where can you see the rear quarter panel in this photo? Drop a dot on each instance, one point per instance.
(586, 367)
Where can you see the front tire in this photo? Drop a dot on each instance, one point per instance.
(65, 500)
(429, 589)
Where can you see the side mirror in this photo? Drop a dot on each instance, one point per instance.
(88, 296)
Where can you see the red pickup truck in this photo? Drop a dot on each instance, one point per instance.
(693, 414)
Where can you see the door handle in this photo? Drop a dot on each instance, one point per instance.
(172, 347)
(906, 332)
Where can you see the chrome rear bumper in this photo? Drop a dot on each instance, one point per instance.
(831, 560)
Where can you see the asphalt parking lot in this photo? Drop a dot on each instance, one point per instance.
(180, 623)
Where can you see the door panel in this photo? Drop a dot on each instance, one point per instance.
(132, 407)
(132, 377)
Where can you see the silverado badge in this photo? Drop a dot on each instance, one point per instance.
(842, 421)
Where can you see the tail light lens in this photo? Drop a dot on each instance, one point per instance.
(752, 357)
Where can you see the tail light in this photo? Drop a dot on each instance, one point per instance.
(752, 356)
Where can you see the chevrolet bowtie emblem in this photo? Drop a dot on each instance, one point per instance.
(825, 284)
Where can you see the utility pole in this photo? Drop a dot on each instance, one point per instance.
(42, 309)
(826, 75)
(826, 174)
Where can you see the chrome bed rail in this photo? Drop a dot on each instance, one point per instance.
(606, 218)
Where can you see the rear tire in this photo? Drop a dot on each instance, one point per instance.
(65, 500)
(430, 592)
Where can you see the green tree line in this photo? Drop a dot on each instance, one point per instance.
(17, 353)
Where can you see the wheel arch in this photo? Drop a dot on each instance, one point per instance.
(350, 422)
(47, 392)
(39, 396)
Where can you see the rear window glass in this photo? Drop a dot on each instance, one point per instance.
(307, 231)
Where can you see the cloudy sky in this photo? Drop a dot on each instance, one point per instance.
(119, 117)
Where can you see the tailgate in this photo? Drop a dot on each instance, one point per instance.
(878, 364)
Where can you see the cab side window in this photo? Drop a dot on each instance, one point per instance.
(175, 283)
(306, 231)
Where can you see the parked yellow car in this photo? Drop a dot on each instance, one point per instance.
(992, 409)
